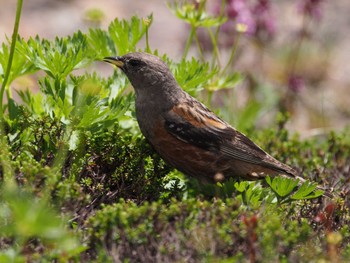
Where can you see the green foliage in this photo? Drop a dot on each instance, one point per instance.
(101, 42)
(196, 16)
(126, 34)
(121, 38)
(249, 194)
(20, 65)
(228, 81)
(307, 191)
(189, 226)
(27, 220)
(57, 58)
(192, 75)
(218, 230)
(284, 188)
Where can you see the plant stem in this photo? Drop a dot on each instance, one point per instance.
(201, 54)
(210, 97)
(189, 42)
(215, 37)
(147, 27)
(147, 42)
(233, 52)
(12, 51)
(215, 47)
(9, 182)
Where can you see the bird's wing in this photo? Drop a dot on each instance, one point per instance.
(195, 124)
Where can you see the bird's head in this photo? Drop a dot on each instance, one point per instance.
(145, 71)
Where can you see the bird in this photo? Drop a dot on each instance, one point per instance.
(185, 133)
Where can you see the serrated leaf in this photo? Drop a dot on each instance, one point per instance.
(307, 191)
(57, 58)
(126, 34)
(282, 186)
(192, 75)
(100, 41)
(241, 186)
(20, 64)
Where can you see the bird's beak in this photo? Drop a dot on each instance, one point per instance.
(118, 61)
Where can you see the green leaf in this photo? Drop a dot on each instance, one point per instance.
(23, 216)
(307, 191)
(224, 82)
(241, 186)
(20, 64)
(57, 58)
(11, 255)
(73, 140)
(101, 42)
(196, 17)
(193, 75)
(281, 186)
(13, 109)
(126, 34)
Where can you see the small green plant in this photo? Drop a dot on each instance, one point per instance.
(285, 189)
(29, 221)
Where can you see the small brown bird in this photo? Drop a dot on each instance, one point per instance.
(186, 133)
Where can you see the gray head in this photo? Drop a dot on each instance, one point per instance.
(146, 72)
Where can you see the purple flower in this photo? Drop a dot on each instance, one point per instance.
(296, 83)
(311, 8)
(257, 17)
(264, 20)
(238, 12)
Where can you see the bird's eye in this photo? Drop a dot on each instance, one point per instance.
(134, 62)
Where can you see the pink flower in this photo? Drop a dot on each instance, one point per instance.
(264, 20)
(257, 18)
(238, 12)
(311, 8)
(296, 83)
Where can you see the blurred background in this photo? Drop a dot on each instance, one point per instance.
(294, 55)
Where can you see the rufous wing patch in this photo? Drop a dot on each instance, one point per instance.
(197, 117)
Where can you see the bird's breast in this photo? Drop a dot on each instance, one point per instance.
(147, 115)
